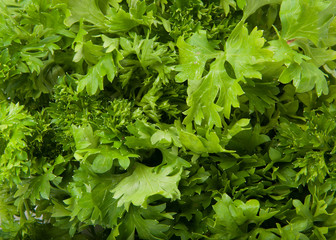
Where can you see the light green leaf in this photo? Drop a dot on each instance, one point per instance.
(94, 79)
(305, 77)
(241, 3)
(145, 182)
(311, 76)
(121, 21)
(306, 19)
(192, 142)
(87, 10)
(317, 56)
(35, 188)
(212, 95)
(142, 133)
(226, 4)
(84, 137)
(103, 162)
(210, 144)
(245, 52)
(290, 73)
(162, 137)
(193, 55)
(254, 5)
(231, 215)
(85, 49)
(91, 200)
(215, 85)
(284, 53)
(110, 43)
(146, 222)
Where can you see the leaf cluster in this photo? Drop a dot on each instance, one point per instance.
(160, 119)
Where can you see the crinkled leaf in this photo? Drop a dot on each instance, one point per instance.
(230, 215)
(84, 137)
(305, 77)
(94, 79)
(145, 222)
(145, 182)
(261, 96)
(104, 160)
(215, 85)
(193, 55)
(306, 19)
(245, 52)
(35, 188)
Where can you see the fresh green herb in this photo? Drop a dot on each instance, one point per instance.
(160, 119)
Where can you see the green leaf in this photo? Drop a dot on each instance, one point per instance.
(8, 210)
(94, 79)
(87, 10)
(145, 182)
(84, 137)
(248, 140)
(84, 49)
(234, 129)
(121, 21)
(232, 215)
(261, 96)
(142, 135)
(305, 77)
(145, 222)
(198, 144)
(91, 200)
(241, 3)
(193, 55)
(35, 188)
(284, 53)
(216, 84)
(157, 119)
(304, 209)
(110, 43)
(192, 142)
(305, 19)
(162, 137)
(274, 154)
(318, 56)
(226, 4)
(103, 162)
(245, 52)
(311, 76)
(254, 5)
(16, 126)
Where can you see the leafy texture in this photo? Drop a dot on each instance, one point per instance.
(157, 119)
(217, 91)
(15, 126)
(94, 80)
(144, 183)
(306, 19)
(231, 214)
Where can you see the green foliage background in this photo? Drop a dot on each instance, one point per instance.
(167, 119)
